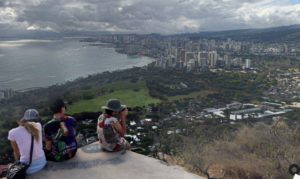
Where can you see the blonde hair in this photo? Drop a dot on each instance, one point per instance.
(31, 128)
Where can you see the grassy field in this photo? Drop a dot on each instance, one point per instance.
(131, 94)
(199, 94)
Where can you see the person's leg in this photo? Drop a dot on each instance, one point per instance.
(71, 150)
(125, 144)
(117, 148)
(49, 155)
(72, 153)
(37, 165)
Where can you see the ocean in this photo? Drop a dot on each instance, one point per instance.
(40, 63)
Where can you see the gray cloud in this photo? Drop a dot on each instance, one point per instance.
(143, 16)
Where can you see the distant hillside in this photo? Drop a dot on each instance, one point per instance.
(50, 34)
(274, 34)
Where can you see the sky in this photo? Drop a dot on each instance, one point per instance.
(295, 1)
(144, 16)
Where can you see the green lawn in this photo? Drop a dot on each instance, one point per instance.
(200, 94)
(131, 94)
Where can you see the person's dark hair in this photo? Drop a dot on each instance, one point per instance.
(109, 112)
(56, 106)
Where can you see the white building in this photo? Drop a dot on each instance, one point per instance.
(173, 52)
(248, 64)
(202, 59)
(2, 95)
(191, 65)
(227, 60)
(212, 58)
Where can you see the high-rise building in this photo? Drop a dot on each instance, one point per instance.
(212, 58)
(1, 95)
(158, 63)
(182, 55)
(191, 65)
(173, 61)
(227, 60)
(212, 45)
(248, 64)
(188, 57)
(285, 48)
(237, 62)
(228, 40)
(128, 38)
(202, 58)
(8, 93)
(173, 52)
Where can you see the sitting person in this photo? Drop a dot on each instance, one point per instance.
(60, 133)
(20, 139)
(111, 127)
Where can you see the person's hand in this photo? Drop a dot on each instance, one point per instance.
(48, 145)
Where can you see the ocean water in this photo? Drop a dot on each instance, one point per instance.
(40, 63)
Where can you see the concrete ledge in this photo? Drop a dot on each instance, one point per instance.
(91, 162)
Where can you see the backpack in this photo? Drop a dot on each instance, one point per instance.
(60, 148)
(110, 134)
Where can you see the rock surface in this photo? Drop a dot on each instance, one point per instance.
(91, 162)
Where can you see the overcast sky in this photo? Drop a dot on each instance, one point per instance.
(144, 16)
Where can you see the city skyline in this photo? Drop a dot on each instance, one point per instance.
(133, 16)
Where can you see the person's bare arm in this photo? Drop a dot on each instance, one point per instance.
(123, 117)
(123, 124)
(15, 149)
(119, 128)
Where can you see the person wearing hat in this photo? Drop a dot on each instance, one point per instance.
(20, 139)
(111, 126)
(60, 133)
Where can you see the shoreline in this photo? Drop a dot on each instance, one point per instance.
(23, 90)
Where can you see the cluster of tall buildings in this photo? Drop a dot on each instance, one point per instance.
(142, 44)
(196, 53)
(179, 58)
(8, 93)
